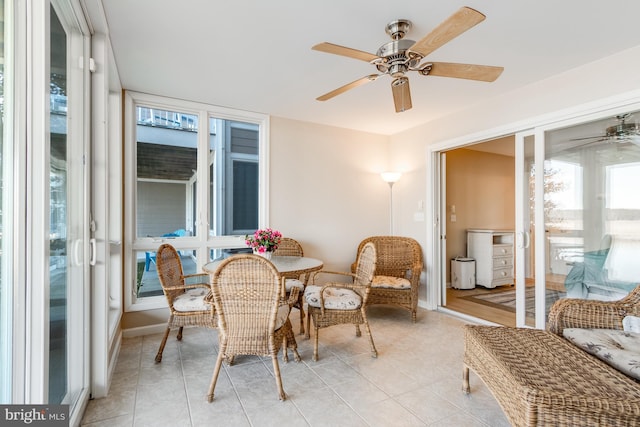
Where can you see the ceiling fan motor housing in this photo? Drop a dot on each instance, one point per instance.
(396, 62)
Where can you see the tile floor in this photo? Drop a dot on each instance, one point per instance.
(416, 380)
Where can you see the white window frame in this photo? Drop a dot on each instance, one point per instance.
(203, 242)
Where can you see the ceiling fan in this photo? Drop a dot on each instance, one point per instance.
(621, 132)
(401, 55)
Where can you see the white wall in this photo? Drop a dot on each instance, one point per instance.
(588, 87)
(325, 188)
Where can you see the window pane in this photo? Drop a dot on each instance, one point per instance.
(234, 179)
(59, 203)
(166, 151)
(147, 282)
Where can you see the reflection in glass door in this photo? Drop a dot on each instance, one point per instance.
(592, 212)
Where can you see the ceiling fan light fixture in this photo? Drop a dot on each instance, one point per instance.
(623, 130)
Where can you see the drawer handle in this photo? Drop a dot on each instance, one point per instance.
(504, 251)
(504, 273)
(504, 262)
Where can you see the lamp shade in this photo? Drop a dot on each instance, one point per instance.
(390, 176)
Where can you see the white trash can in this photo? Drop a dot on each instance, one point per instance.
(463, 273)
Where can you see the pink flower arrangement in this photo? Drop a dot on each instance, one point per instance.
(264, 240)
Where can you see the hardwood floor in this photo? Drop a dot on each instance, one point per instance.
(503, 317)
(457, 303)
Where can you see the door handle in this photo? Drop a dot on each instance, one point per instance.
(77, 248)
(523, 239)
(93, 252)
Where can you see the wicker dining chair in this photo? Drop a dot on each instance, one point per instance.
(252, 317)
(397, 277)
(291, 247)
(185, 295)
(337, 303)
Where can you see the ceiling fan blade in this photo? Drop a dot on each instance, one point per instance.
(342, 89)
(452, 27)
(401, 94)
(345, 51)
(485, 73)
(588, 137)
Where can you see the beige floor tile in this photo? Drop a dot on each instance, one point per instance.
(414, 381)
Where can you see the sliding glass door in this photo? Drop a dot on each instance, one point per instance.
(578, 213)
(67, 361)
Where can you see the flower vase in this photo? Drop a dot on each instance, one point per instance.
(266, 254)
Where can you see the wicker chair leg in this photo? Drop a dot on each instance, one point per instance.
(162, 344)
(285, 352)
(315, 345)
(214, 379)
(358, 333)
(374, 352)
(414, 317)
(180, 334)
(301, 309)
(465, 380)
(306, 334)
(276, 372)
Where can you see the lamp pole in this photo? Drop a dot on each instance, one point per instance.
(390, 178)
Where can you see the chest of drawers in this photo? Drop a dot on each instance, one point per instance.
(493, 252)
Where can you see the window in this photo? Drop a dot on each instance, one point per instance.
(172, 147)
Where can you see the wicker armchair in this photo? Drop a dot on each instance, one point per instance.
(185, 295)
(291, 247)
(251, 316)
(581, 313)
(397, 276)
(342, 303)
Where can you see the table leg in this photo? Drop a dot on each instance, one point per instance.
(465, 379)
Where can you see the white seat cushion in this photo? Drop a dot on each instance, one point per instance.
(390, 282)
(334, 298)
(620, 349)
(293, 283)
(192, 300)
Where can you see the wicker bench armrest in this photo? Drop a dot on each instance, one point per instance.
(581, 313)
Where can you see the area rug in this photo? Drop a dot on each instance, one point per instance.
(506, 300)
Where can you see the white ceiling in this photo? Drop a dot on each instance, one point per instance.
(256, 55)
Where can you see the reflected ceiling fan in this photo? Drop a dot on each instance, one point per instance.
(621, 132)
(401, 55)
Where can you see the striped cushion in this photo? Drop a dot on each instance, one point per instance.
(293, 283)
(390, 282)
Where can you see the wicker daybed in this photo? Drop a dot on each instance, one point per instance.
(540, 378)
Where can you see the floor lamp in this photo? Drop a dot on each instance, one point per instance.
(390, 178)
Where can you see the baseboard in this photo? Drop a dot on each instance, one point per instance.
(466, 317)
(144, 330)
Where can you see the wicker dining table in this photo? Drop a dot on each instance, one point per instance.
(286, 265)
